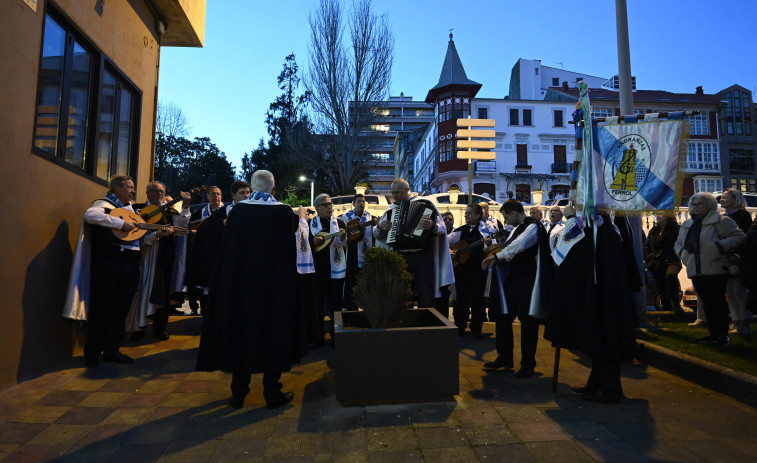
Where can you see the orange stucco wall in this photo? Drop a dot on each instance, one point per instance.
(43, 202)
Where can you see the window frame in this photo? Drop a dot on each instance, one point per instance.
(99, 63)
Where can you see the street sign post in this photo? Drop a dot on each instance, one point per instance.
(470, 138)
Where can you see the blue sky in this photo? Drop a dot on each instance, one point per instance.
(225, 88)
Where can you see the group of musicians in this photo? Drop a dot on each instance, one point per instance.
(147, 285)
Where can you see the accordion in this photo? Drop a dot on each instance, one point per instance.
(406, 231)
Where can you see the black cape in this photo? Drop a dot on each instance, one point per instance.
(202, 249)
(252, 323)
(595, 318)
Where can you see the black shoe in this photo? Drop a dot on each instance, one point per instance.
(91, 362)
(162, 336)
(524, 373)
(136, 336)
(583, 389)
(280, 399)
(599, 396)
(118, 357)
(237, 401)
(500, 362)
(723, 341)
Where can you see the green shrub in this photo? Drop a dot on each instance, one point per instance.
(383, 288)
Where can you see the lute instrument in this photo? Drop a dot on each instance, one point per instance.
(142, 226)
(353, 229)
(154, 214)
(464, 248)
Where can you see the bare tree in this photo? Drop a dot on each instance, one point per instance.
(348, 83)
(171, 120)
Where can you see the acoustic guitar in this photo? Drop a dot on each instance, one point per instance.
(142, 226)
(154, 214)
(353, 232)
(464, 248)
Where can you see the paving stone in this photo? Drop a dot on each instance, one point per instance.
(139, 452)
(478, 417)
(612, 451)
(131, 415)
(36, 453)
(63, 398)
(558, 452)
(85, 415)
(170, 415)
(490, 434)
(666, 450)
(122, 385)
(147, 399)
(190, 451)
(23, 396)
(349, 442)
(154, 433)
(20, 433)
(588, 431)
(104, 399)
(84, 384)
(108, 434)
(510, 453)
(59, 434)
(240, 449)
(441, 437)
(159, 386)
(294, 445)
(522, 414)
(450, 455)
(92, 452)
(539, 431)
(184, 399)
(396, 456)
(195, 386)
(39, 414)
(395, 438)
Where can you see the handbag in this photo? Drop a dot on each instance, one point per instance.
(735, 265)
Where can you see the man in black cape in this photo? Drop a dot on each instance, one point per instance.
(591, 307)
(252, 321)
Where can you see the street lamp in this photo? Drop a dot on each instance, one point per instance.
(312, 187)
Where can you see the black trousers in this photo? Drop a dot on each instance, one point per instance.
(605, 376)
(470, 284)
(442, 303)
(711, 289)
(328, 298)
(518, 301)
(421, 266)
(113, 284)
(240, 383)
(668, 286)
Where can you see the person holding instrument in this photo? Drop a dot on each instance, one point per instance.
(358, 241)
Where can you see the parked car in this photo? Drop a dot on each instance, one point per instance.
(690, 298)
(562, 202)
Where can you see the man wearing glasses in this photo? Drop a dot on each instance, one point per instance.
(430, 264)
(157, 267)
(330, 261)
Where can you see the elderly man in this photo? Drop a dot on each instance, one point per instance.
(491, 220)
(252, 323)
(112, 271)
(329, 243)
(158, 251)
(357, 244)
(428, 260)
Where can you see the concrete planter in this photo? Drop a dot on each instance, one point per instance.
(415, 363)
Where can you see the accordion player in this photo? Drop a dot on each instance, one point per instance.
(406, 230)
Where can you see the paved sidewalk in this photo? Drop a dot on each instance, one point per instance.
(159, 408)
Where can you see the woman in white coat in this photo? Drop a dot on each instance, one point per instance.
(703, 244)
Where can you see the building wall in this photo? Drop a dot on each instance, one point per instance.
(46, 200)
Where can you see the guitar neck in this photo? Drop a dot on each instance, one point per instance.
(152, 226)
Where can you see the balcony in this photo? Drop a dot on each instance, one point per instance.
(561, 167)
(522, 167)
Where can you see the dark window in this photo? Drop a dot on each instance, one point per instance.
(483, 113)
(526, 117)
(63, 95)
(741, 162)
(96, 134)
(555, 82)
(522, 153)
(558, 118)
(523, 193)
(513, 117)
(560, 153)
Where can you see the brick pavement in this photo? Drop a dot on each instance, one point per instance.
(159, 409)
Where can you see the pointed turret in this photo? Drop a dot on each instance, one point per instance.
(453, 75)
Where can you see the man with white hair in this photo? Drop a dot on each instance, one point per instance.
(253, 324)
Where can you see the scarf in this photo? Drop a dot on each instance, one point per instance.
(336, 252)
(114, 199)
(691, 243)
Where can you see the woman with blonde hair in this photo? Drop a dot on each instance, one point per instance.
(735, 207)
